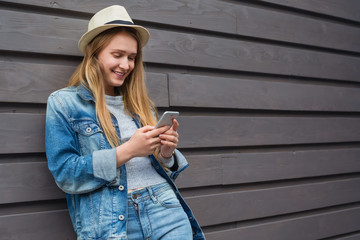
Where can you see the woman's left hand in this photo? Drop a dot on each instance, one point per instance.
(169, 140)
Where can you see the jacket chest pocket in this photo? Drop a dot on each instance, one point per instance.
(90, 136)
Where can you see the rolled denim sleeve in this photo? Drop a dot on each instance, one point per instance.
(180, 164)
(104, 164)
(74, 173)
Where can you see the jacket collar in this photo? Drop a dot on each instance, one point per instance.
(85, 93)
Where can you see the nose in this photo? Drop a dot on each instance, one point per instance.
(124, 63)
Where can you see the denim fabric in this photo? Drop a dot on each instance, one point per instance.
(84, 167)
(156, 213)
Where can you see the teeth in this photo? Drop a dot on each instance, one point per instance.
(119, 73)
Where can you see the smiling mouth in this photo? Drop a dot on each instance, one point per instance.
(119, 74)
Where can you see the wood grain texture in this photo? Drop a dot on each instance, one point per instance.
(167, 47)
(287, 170)
(293, 28)
(259, 203)
(240, 168)
(33, 82)
(226, 131)
(188, 90)
(210, 15)
(32, 181)
(56, 225)
(305, 227)
(347, 9)
(228, 54)
(37, 225)
(21, 182)
(350, 237)
(23, 133)
(224, 17)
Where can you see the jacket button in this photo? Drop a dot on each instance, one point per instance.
(121, 188)
(121, 217)
(88, 129)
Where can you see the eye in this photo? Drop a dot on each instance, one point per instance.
(132, 58)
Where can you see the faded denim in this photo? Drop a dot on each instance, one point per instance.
(84, 167)
(148, 215)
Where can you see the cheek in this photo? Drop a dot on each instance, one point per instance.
(132, 66)
(107, 62)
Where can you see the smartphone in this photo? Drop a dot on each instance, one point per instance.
(166, 119)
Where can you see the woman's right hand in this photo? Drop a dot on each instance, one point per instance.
(143, 143)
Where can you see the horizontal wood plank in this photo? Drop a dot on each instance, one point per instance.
(204, 14)
(307, 227)
(188, 90)
(249, 204)
(347, 9)
(255, 167)
(33, 82)
(24, 133)
(350, 237)
(54, 225)
(32, 181)
(226, 131)
(258, 203)
(228, 54)
(289, 27)
(180, 49)
(296, 174)
(226, 17)
(21, 182)
(239, 168)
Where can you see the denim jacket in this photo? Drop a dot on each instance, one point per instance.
(84, 167)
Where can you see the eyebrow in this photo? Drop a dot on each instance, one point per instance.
(122, 51)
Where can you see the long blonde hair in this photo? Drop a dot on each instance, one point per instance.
(90, 74)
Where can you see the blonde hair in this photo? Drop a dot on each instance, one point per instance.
(90, 74)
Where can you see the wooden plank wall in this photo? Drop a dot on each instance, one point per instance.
(269, 95)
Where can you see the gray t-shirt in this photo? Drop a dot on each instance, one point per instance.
(140, 172)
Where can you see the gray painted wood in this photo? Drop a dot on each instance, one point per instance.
(37, 225)
(226, 17)
(23, 133)
(21, 182)
(205, 91)
(302, 227)
(347, 9)
(36, 182)
(287, 170)
(289, 27)
(33, 82)
(271, 201)
(167, 47)
(240, 168)
(235, 205)
(209, 14)
(226, 131)
(318, 225)
(350, 237)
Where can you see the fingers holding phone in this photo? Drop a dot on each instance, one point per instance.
(169, 140)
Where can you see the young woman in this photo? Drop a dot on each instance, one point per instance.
(117, 170)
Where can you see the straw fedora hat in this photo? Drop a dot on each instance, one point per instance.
(110, 17)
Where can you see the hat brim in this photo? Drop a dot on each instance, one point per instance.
(89, 36)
